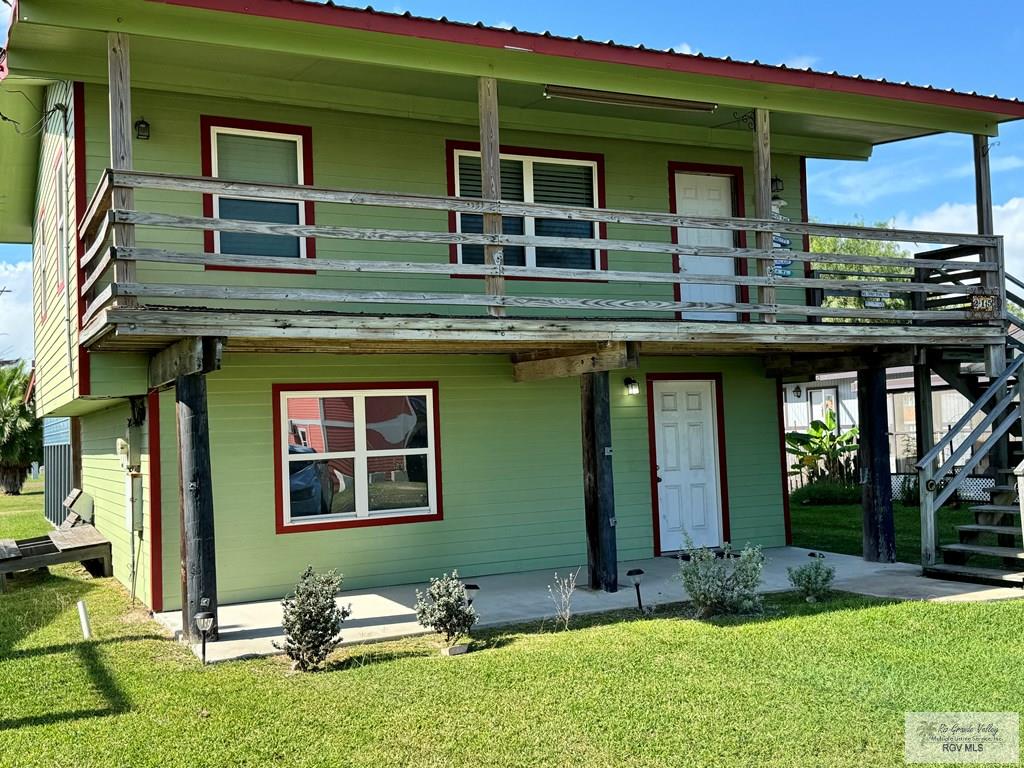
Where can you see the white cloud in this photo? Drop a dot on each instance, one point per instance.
(16, 310)
(801, 62)
(961, 217)
(684, 48)
(504, 25)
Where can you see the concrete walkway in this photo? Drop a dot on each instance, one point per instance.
(249, 629)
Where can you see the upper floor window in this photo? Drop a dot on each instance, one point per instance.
(259, 153)
(357, 456)
(533, 179)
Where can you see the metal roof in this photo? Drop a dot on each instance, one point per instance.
(478, 33)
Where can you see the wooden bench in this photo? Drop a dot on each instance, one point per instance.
(74, 542)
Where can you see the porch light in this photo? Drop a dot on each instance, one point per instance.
(778, 186)
(142, 129)
(204, 623)
(635, 575)
(471, 592)
(632, 388)
(797, 392)
(626, 99)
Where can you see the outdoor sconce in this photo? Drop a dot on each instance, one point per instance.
(471, 592)
(797, 392)
(632, 386)
(142, 129)
(634, 575)
(204, 623)
(777, 185)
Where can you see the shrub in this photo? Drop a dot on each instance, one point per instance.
(445, 608)
(812, 580)
(827, 492)
(312, 619)
(725, 584)
(910, 491)
(561, 593)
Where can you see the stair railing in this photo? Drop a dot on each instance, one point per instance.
(936, 478)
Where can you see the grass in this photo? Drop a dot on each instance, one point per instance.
(824, 684)
(22, 516)
(839, 528)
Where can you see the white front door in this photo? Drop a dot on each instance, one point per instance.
(686, 444)
(702, 195)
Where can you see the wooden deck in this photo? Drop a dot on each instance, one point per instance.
(78, 544)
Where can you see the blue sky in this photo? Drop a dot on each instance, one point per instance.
(926, 183)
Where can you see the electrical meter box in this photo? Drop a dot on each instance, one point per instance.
(133, 501)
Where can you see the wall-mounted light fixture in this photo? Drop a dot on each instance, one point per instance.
(626, 99)
(797, 392)
(632, 385)
(778, 185)
(142, 129)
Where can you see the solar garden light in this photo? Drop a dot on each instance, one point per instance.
(204, 623)
(471, 592)
(635, 575)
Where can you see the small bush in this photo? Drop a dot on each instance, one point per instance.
(827, 492)
(722, 585)
(812, 580)
(312, 619)
(445, 608)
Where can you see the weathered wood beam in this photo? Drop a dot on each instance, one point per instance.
(490, 182)
(185, 357)
(610, 357)
(763, 201)
(119, 85)
(598, 484)
(793, 366)
(879, 527)
(198, 550)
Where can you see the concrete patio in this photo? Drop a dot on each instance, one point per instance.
(249, 629)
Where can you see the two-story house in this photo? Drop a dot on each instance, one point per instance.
(396, 295)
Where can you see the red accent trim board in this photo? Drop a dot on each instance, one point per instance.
(369, 20)
(452, 145)
(208, 122)
(787, 521)
(81, 202)
(723, 479)
(739, 208)
(279, 475)
(156, 533)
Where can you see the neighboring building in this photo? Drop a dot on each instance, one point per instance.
(809, 400)
(262, 289)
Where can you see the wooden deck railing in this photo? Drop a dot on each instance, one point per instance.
(959, 283)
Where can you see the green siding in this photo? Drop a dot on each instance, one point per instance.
(512, 481)
(371, 152)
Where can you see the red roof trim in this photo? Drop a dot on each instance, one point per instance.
(443, 30)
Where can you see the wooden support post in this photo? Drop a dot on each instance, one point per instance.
(199, 566)
(598, 488)
(490, 183)
(763, 202)
(876, 478)
(924, 423)
(122, 198)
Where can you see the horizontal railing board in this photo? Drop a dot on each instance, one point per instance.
(313, 266)
(138, 179)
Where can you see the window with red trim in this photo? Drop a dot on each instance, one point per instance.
(533, 179)
(357, 456)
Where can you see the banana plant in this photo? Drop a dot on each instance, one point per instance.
(823, 452)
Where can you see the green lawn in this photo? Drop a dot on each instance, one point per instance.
(824, 684)
(839, 528)
(22, 516)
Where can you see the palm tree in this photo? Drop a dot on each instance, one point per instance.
(21, 433)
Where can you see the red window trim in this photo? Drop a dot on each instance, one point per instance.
(734, 172)
(278, 389)
(453, 145)
(209, 122)
(723, 479)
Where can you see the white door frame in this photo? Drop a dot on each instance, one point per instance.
(715, 379)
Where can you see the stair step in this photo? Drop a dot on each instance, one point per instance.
(984, 549)
(1002, 530)
(1006, 509)
(973, 573)
(1003, 489)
